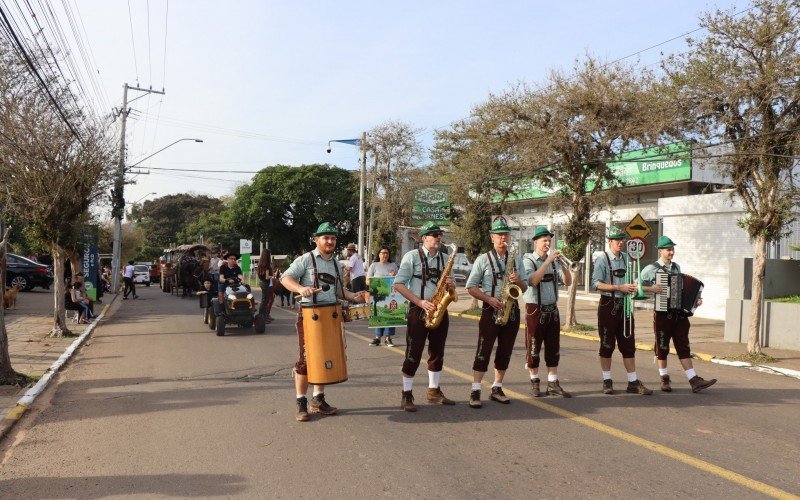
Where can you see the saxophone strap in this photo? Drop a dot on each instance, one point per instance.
(424, 277)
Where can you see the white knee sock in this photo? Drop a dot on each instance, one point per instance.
(690, 373)
(552, 377)
(408, 382)
(632, 377)
(663, 371)
(607, 375)
(476, 386)
(433, 379)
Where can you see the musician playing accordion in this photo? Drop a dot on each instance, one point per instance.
(671, 324)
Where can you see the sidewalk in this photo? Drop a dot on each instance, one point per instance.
(32, 351)
(706, 335)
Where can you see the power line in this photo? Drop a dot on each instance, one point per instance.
(164, 70)
(133, 43)
(149, 51)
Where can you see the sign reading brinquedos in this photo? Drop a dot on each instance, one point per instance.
(431, 204)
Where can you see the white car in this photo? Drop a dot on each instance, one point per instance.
(141, 275)
(461, 267)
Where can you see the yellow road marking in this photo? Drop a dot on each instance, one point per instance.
(16, 412)
(630, 438)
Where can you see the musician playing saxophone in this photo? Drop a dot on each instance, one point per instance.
(492, 272)
(542, 321)
(417, 279)
(671, 324)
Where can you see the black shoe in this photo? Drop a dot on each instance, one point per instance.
(375, 343)
(407, 402)
(124, 298)
(270, 318)
(535, 387)
(608, 386)
(475, 399)
(302, 410)
(135, 297)
(319, 405)
(636, 387)
(698, 383)
(665, 383)
(555, 389)
(499, 396)
(389, 342)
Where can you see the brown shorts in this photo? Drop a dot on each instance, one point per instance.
(416, 335)
(488, 332)
(542, 325)
(671, 325)
(611, 325)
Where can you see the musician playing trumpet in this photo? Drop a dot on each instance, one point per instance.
(610, 278)
(671, 324)
(493, 280)
(542, 321)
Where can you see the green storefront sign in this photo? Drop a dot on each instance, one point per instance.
(638, 168)
(431, 204)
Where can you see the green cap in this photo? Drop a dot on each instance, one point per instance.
(665, 242)
(541, 231)
(500, 227)
(429, 227)
(326, 228)
(615, 233)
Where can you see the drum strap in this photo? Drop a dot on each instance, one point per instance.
(316, 277)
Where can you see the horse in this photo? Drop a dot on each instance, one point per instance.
(188, 276)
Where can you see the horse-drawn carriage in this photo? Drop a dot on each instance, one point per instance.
(182, 267)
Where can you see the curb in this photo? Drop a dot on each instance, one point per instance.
(15, 414)
(647, 347)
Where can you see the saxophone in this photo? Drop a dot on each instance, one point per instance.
(510, 291)
(442, 296)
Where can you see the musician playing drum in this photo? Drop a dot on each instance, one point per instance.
(416, 280)
(671, 324)
(542, 321)
(485, 283)
(300, 278)
(609, 277)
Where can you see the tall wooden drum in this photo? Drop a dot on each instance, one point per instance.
(326, 360)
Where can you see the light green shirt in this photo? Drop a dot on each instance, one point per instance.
(302, 271)
(603, 274)
(548, 289)
(410, 272)
(481, 274)
(649, 272)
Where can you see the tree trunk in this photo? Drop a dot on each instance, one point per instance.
(572, 319)
(7, 374)
(60, 328)
(757, 295)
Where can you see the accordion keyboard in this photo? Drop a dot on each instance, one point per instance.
(662, 298)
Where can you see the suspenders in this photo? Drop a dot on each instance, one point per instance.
(538, 286)
(494, 274)
(315, 283)
(424, 277)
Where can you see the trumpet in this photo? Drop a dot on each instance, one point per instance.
(563, 261)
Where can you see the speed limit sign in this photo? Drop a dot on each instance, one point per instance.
(636, 248)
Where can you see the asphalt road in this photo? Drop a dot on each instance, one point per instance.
(157, 405)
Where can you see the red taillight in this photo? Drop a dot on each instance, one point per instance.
(41, 270)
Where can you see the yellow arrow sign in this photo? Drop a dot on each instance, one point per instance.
(638, 228)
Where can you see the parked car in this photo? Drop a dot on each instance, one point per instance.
(27, 273)
(141, 274)
(461, 268)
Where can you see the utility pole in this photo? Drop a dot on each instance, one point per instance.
(118, 193)
(362, 187)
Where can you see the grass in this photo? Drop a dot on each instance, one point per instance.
(580, 327)
(756, 359)
(793, 299)
(476, 311)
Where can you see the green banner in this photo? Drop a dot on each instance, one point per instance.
(638, 168)
(431, 204)
(245, 264)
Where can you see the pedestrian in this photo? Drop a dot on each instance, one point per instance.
(609, 277)
(486, 283)
(417, 279)
(542, 320)
(130, 285)
(265, 280)
(671, 324)
(355, 266)
(383, 267)
(303, 277)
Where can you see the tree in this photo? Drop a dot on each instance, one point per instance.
(284, 205)
(739, 87)
(569, 130)
(8, 376)
(396, 154)
(216, 228)
(51, 171)
(162, 219)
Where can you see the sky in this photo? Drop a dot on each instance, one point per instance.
(266, 82)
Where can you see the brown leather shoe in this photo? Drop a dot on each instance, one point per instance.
(302, 410)
(475, 399)
(698, 383)
(665, 383)
(555, 389)
(535, 390)
(319, 405)
(499, 396)
(636, 387)
(608, 386)
(436, 396)
(407, 402)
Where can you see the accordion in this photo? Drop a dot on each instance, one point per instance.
(679, 293)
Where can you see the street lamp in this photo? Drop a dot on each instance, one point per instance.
(119, 208)
(140, 199)
(362, 143)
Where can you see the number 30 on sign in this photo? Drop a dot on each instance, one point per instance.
(636, 248)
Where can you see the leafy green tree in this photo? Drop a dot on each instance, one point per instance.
(216, 228)
(739, 86)
(163, 219)
(284, 205)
